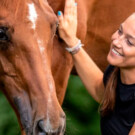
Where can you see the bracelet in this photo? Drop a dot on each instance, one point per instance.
(75, 49)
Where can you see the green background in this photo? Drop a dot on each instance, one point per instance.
(81, 112)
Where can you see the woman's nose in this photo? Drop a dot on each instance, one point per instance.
(118, 41)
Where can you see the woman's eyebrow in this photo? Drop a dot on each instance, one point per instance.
(128, 35)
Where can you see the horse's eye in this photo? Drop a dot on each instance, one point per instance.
(3, 34)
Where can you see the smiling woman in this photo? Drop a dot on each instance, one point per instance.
(122, 50)
(115, 89)
(34, 65)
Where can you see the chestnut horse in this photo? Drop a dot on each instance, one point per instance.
(34, 66)
(27, 29)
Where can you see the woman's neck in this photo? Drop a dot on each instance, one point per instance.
(127, 76)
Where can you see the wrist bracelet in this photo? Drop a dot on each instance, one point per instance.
(75, 49)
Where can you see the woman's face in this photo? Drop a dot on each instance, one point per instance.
(122, 50)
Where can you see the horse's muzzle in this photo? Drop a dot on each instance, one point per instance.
(59, 131)
(45, 126)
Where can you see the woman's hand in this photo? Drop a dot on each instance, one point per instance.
(68, 23)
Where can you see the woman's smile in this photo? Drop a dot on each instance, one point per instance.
(114, 52)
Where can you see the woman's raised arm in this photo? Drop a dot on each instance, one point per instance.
(90, 74)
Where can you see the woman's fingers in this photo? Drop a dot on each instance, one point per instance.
(69, 8)
(70, 11)
(68, 21)
(60, 16)
(75, 11)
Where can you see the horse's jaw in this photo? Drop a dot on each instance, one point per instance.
(35, 123)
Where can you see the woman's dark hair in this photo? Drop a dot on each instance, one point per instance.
(108, 101)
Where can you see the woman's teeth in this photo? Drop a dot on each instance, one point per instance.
(114, 51)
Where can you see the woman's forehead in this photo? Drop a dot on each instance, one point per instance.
(129, 25)
(131, 18)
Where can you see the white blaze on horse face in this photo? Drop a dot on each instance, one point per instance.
(41, 47)
(32, 15)
(48, 125)
(42, 50)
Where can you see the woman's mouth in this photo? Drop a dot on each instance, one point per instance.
(116, 52)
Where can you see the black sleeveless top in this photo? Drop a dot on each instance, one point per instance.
(121, 120)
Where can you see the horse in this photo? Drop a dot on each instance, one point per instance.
(27, 29)
(34, 65)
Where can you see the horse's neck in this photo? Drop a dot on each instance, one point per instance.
(61, 68)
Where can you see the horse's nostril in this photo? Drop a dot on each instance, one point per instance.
(41, 127)
(42, 134)
(42, 130)
(63, 116)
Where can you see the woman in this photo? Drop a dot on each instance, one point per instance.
(115, 90)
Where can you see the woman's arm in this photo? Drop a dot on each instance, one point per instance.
(88, 71)
(90, 74)
(132, 131)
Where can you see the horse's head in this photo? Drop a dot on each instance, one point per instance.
(27, 28)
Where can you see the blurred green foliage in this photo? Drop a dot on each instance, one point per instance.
(8, 120)
(81, 112)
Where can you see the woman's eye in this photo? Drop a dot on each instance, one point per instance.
(5, 38)
(120, 32)
(129, 42)
(3, 34)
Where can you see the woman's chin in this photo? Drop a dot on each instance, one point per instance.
(111, 60)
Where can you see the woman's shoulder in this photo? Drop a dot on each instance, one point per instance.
(107, 73)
